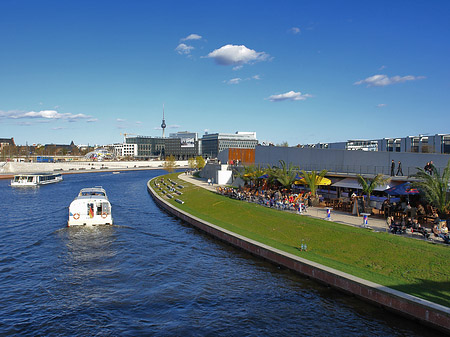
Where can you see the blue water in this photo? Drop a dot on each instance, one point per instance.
(150, 274)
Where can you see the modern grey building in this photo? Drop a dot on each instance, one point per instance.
(214, 143)
(156, 147)
(438, 143)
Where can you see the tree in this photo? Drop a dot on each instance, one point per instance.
(435, 187)
(313, 180)
(169, 164)
(286, 174)
(191, 163)
(246, 173)
(369, 185)
(200, 161)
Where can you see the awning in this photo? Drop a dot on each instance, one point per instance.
(320, 181)
(402, 189)
(353, 183)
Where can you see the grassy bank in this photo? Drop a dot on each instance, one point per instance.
(413, 266)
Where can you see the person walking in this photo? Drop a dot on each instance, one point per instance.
(392, 167)
(399, 169)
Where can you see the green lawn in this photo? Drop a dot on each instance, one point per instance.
(413, 266)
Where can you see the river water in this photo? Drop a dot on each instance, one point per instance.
(151, 274)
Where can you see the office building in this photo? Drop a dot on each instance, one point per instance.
(214, 143)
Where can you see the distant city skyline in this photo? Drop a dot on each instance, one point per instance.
(300, 72)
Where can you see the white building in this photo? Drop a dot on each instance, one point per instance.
(125, 150)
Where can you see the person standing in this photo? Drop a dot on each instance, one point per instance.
(399, 169)
(392, 167)
(430, 168)
(427, 168)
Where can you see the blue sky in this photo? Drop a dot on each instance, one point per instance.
(295, 71)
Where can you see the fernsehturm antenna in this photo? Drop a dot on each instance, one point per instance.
(163, 124)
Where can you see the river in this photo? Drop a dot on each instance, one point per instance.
(151, 274)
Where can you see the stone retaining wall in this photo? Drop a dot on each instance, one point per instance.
(409, 306)
(18, 167)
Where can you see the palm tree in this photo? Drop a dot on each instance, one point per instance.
(313, 180)
(286, 174)
(369, 185)
(435, 187)
(249, 173)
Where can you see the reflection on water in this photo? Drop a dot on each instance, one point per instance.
(151, 274)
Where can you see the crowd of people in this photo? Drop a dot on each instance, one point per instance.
(281, 200)
(299, 202)
(403, 224)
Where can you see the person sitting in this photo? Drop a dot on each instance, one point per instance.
(436, 216)
(409, 223)
(386, 206)
(444, 228)
(394, 226)
(439, 232)
(446, 238)
(416, 227)
(420, 210)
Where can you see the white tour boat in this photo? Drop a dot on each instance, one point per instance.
(90, 207)
(35, 179)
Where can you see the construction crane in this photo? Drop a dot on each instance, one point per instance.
(125, 134)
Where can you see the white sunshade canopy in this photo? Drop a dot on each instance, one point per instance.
(353, 183)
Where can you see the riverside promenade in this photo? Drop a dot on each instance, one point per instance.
(375, 224)
(404, 304)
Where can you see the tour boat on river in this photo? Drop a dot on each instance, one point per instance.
(36, 179)
(90, 207)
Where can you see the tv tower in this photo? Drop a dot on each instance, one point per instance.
(163, 124)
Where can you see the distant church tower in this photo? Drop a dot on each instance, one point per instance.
(163, 124)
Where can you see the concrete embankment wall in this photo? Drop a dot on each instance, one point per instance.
(17, 167)
(409, 306)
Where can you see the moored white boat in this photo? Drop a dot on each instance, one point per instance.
(90, 207)
(36, 179)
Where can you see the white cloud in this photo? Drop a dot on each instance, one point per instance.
(192, 37)
(289, 96)
(234, 81)
(383, 80)
(183, 49)
(45, 114)
(295, 30)
(120, 120)
(236, 55)
(238, 80)
(92, 120)
(381, 105)
(174, 126)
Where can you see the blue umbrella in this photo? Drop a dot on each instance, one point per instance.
(264, 176)
(402, 189)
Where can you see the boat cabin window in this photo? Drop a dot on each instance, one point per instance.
(105, 207)
(88, 193)
(30, 179)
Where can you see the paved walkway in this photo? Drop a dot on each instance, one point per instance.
(318, 212)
